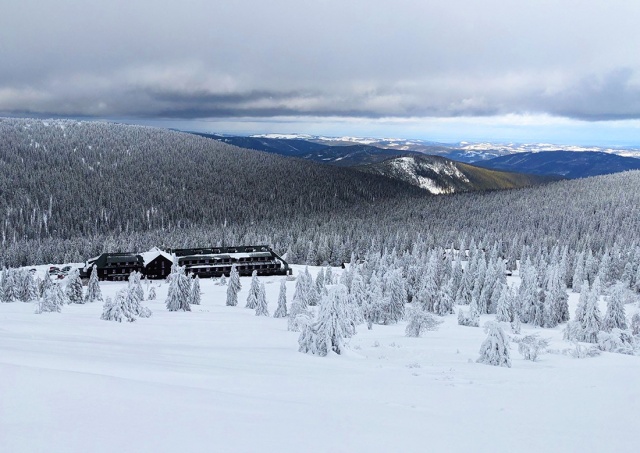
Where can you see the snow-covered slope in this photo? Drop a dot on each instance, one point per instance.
(439, 175)
(222, 379)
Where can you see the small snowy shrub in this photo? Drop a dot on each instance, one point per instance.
(619, 341)
(531, 346)
(152, 293)
(581, 352)
(470, 319)
(421, 321)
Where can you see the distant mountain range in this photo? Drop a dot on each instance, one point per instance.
(534, 159)
(461, 151)
(567, 164)
(435, 174)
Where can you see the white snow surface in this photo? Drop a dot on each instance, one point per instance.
(220, 379)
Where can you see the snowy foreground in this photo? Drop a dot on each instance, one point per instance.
(220, 379)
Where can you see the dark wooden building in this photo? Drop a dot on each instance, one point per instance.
(217, 261)
(157, 263)
(114, 266)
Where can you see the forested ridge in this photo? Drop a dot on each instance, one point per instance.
(70, 190)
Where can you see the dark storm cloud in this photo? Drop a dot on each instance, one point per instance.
(373, 59)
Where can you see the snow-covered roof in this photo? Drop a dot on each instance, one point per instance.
(227, 255)
(152, 254)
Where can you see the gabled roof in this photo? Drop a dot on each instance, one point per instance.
(154, 253)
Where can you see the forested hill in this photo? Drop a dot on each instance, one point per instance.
(568, 164)
(72, 190)
(67, 179)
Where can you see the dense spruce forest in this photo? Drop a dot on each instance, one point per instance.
(70, 190)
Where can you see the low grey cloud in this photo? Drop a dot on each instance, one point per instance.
(373, 59)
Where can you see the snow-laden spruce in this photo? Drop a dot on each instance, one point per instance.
(179, 291)
(135, 285)
(52, 300)
(196, 294)
(281, 311)
(125, 306)
(117, 309)
(261, 301)
(135, 297)
(615, 317)
(74, 287)
(332, 327)
(93, 288)
(234, 287)
(254, 289)
(495, 348)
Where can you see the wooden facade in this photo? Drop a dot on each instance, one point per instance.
(217, 261)
(115, 266)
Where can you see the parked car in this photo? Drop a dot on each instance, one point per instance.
(64, 272)
(53, 270)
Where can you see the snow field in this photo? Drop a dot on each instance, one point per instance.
(222, 379)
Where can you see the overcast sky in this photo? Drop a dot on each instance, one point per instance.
(527, 70)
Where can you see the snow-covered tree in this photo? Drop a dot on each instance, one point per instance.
(615, 317)
(261, 301)
(195, 292)
(332, 327)
(44, 286)
(281, 311)
(592, 320)
(133, 303)
(495, 348)
(618, 341)
(93, 288)
(6, 286)
(373, 302)
(420, 321)
(117, 309)
(328, 276)
(152, 293)
(395, 297)
(74, 288)
(582, 301)
(504, 306)
(320, 281)
(635, 324)
(52, 300)
(470, 319)
(135, 285)
(234, 287)
(254, 289)
(301, 294)
(222, 281)
(299, 316)
(179, 290)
